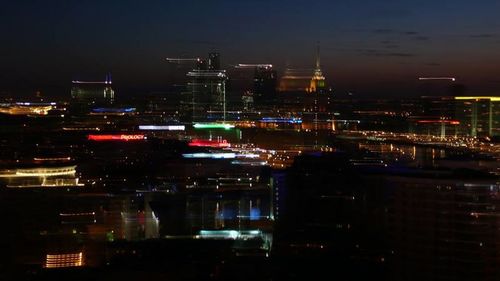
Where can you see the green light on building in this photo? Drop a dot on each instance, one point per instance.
(213, 126)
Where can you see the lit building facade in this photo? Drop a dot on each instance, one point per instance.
(479, 115)
(27, 108)
(64, 260)
(93, 92)
(208, 90)
(441, 229)
(41, 177)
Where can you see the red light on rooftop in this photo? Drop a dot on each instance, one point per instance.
(209, 143)
(116, 137)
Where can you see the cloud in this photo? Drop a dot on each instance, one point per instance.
(483, 35)
(393, 13)
(394, 31)
(392, 46)
(421, 38)
(384, 53)
(200, 42)
(433, 64)
(399, 55)
(389, 44)
(366, 51)
(383, 31)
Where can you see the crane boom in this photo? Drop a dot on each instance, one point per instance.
(181, 60)
(251, 65)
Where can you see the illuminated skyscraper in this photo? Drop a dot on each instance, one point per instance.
(208, 90)
(479, 115)
(317, 80)
(93, 92)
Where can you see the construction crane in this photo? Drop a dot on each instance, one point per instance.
(182, 60)
(453, 79)
(250, 65)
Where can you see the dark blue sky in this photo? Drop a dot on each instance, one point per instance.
(368, 47)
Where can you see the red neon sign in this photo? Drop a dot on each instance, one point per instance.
(116, 137)
(209, 143)
(451, 122)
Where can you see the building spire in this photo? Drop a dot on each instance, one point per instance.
(317, 80)
(318, 64)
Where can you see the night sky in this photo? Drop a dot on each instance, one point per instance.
(371, 48)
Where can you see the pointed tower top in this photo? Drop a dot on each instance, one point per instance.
(108, 78)
(318, 64)
(318, 80)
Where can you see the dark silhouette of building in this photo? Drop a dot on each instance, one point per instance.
(264, 85)
(214, 61)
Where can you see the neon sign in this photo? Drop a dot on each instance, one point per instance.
(209, 143)
(116, 137)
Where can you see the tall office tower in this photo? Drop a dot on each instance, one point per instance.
(317, 80)
(208, 91)
(93, 92)
(214, 61)
(201, 64)
(479, 116)
(264, 85)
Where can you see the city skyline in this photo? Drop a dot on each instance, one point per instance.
(250, 140)
(370, 49)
